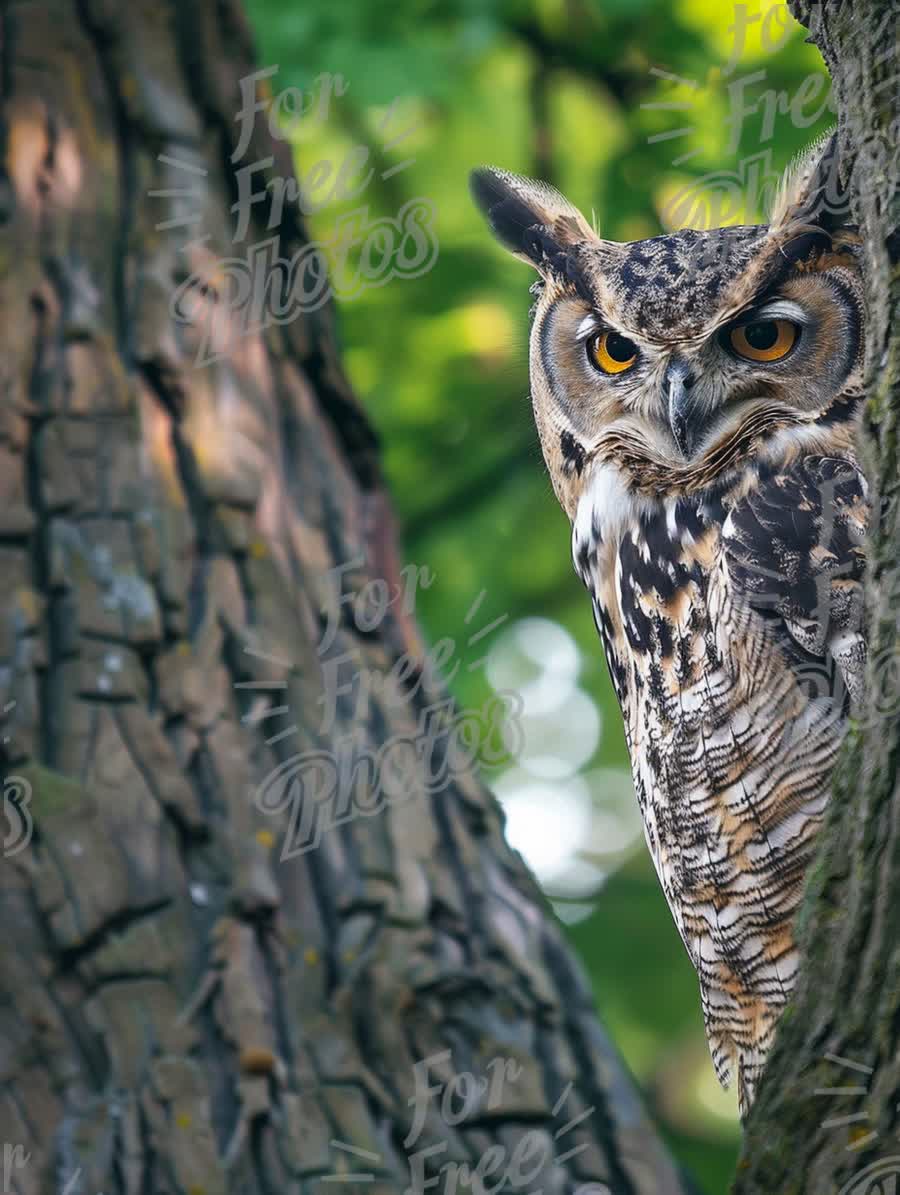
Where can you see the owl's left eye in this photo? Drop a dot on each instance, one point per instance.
(763, 339)
(611, 352)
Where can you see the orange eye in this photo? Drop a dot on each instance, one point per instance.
(764, 339)
(611, 353)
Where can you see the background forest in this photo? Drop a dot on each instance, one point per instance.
(648, 114)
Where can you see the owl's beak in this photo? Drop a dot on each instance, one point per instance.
(679, 382)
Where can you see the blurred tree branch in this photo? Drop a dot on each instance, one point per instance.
(476, 488)
(539, 93)
(576, 56)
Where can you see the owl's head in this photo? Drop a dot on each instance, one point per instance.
(680, 356)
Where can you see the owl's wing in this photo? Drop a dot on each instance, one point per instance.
(795, 549)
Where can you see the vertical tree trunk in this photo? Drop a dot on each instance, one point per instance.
(181, 1011)
(827, 1116)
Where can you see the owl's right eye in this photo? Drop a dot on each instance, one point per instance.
(610, 352)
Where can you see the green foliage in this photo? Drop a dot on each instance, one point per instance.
(559, 88)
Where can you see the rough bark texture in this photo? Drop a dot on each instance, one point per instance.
(827, 1116)
(181, 1012)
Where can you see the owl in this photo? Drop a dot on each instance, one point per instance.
(696, 398)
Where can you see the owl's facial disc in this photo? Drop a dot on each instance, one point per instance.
(790, 349)
(761, 337)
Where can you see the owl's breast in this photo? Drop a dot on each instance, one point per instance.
(730, 757)
(700, 665)
(650, 568)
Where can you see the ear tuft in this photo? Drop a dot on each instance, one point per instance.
(531, 219)
(811, 196)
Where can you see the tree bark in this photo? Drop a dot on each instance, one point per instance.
(827, 1116)
(182, 1011)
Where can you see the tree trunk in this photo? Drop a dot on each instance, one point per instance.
(827, 1115)
(190, 1002)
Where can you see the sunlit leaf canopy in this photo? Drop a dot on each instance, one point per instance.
(648, 114)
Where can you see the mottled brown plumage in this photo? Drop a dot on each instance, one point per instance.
(696, 396)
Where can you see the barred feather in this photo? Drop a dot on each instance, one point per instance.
(732, 625)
